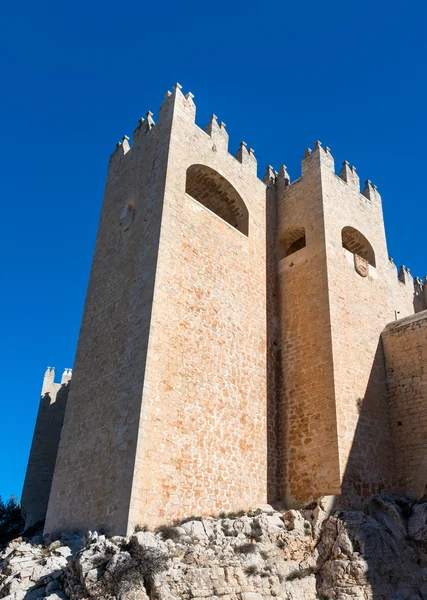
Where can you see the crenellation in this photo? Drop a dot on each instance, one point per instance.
(419, 295)
(316, 159)
(217, 132)
(246, 157)
(231, 348)
(349, 175)
(405, 276)
(269, 176)
(370, 191)
(283, 179)
(66, 376)
(44, 447)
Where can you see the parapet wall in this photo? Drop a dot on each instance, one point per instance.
(405, 349)
(44, 447)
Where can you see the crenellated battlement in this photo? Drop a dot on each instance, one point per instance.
(175, 106)
(231, 339)
(49, 384)
(321, 157)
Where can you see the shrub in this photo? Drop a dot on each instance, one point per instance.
(168, 533)
(246, 549)
(139, 528)
(11, 521)
(227, 531)
(251, 570)
(256, 531)
(138, 568)
(231, 515)
(300, 574)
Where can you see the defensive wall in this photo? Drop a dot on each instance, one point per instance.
(337, 291)
(175, 327)
(234, 327)
(44, 447)
(405, 348)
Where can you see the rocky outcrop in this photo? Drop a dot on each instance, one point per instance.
(291, 555)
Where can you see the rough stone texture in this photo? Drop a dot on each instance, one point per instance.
(230, 349)
(309, 449)
(336, 434)
(44, 447)
(405, 348)
(175, 330)
(378, 554)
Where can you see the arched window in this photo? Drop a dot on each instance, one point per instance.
(292, 240)
(213, 191)
(356, 243)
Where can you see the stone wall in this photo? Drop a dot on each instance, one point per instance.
(228, 352)
(405, 348)
(168, 412)
(309, 450)
(334, 413)
(96, 457)
(202, 445)
(44, 447)
(359, 304)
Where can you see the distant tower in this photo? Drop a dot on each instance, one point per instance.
(168, 411)
(337, 291)
(41, 463)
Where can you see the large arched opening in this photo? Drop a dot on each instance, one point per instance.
(218, 195)
(356, 243)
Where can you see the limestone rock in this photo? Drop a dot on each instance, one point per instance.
(265, 508)
(296, 555)
(194, 528)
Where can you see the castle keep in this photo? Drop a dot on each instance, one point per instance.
(239, 343)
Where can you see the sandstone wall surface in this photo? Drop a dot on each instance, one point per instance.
(203, 432)
(405, 348)
(309, 450)
(168, 412)
(95, 465)
(359, 309)
(334, 411)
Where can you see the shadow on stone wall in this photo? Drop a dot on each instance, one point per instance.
(44, 449)
(370, 467)
(273, 351)
(367, 544)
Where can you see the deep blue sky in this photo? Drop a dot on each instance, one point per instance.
(77, 76)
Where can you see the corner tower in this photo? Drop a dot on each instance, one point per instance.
(338, 290)
(44, 447)
(167, 414)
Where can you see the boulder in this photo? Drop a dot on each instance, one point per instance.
(194, 528)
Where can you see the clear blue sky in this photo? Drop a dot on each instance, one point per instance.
(75, 77)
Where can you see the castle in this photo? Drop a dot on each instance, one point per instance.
(239, 343)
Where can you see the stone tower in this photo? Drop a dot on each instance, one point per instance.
(237, 344)
(167, 415)
(337, 291)
(44, 447)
